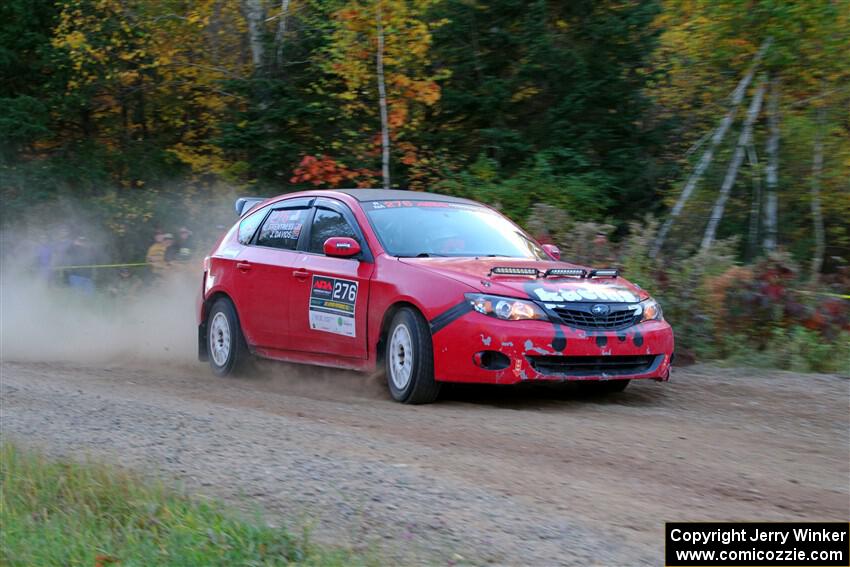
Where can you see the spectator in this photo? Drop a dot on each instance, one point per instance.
(127, 285)
(183, 248)
(156, 256)
(52, 253)
(80, 257)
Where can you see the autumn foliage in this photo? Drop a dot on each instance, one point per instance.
(324, 171)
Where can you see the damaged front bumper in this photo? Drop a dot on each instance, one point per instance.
(475, 348)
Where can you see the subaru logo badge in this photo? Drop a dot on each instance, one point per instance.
(600, 310)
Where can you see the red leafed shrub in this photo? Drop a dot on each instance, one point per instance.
(326, 171)
(772, 296)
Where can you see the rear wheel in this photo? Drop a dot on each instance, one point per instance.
(228, 352)
(409, 359)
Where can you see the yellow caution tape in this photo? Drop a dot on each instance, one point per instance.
(828, 294)
(132, 265)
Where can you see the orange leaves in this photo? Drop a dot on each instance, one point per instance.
(425, 91)
(326, 171)
(408, 153)
(398, 115)
(428, 92)
(348, 14)
(407, 42)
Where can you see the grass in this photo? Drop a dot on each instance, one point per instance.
(94, 515)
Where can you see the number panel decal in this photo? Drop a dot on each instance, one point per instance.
(332, 305)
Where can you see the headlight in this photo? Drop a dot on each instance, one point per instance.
(506, 308)
(649, 310)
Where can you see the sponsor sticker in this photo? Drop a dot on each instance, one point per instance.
(284, 224)
(417, 204)
(332, 304)
(595, 293)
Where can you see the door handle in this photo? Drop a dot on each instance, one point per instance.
(300, 274)
(243, 266)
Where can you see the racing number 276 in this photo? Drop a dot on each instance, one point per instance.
(345, 291)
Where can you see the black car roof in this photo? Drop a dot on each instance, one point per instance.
(400, 195)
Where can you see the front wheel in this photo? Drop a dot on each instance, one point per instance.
(228, 353)
(410, 359)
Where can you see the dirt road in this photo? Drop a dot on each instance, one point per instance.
(485, 476)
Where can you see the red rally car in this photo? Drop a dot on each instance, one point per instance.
(434, 288)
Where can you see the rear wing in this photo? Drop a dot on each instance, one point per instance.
(244, 204)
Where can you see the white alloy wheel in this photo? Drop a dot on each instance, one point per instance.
(401, 357)
(219, 338)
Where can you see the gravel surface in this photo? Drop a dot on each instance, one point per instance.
(486, 476)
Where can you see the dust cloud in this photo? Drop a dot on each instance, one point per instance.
(130, 322)
(44, 319)
(148, 322)
(44, 323)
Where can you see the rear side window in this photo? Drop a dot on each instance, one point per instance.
(249, 225)
(282, 228)
(327, 224)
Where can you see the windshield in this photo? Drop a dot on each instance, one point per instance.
(436, 228)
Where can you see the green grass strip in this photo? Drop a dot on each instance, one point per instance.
(65, 513)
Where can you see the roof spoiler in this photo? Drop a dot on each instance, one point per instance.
(244, 204)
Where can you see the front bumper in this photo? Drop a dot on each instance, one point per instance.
(475, 348)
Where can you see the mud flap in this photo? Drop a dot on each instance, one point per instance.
(203, 355)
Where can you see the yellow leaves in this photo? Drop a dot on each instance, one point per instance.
(204, 158)
(138, 58)
(428, 92)
(128, 78)
(407, 42)
(525, 93)
(74, 40)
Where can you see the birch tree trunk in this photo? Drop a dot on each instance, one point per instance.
(755, 203)
(281, 30)
(732, 171)
(254, 15)
(708, 155)
(771, 205)
(382, 102)
(817, 213)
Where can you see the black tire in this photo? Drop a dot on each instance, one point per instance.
(237, 356)
(603, 387)
(419, 387)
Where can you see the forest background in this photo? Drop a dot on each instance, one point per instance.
(701, 146)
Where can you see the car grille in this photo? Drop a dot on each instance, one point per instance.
(580, 316)
(593, 365)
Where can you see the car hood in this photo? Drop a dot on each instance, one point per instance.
(476, 273)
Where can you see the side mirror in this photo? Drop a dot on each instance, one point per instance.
(341, 247)
(553, 251)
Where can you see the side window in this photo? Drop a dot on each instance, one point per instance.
(282, 228)
(326, 224)
(249, 225)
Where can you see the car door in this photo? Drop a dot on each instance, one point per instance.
(264, 273)
(329, 300)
